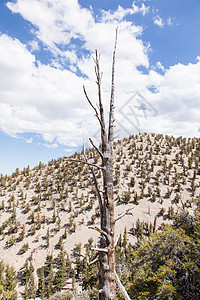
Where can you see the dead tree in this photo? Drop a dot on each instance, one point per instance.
(106, 251)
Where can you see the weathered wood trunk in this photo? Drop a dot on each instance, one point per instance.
(106, 251)
(107, 285)
(107, 273)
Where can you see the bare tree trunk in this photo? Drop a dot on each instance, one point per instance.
(107, 284)
(106, 251)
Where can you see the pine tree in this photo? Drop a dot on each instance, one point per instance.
(49, 282)
(47, 238)
(64, 267)
(21, 234)
(48, 274)
(125, 239)
(11, 281)
(29, 280)
(41, 284)
(1, 272)
(30, 288)
(25, 272)
(73, 279)
(89, 271)
(78, 263)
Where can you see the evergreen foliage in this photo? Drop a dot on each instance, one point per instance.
(8, 282)
(63, 270)
(29, 280)
(167, 264)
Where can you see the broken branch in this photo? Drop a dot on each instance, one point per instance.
(111, 116)
(121, 287)
(123, 214)
(96, 112)
(116, 240)
(85, 162)
(93, 261)
(100, 249)
(96, 186)
(100, 153)
(100, 231)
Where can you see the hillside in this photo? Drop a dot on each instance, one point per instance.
(154, 175)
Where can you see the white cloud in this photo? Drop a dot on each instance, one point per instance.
(158, 21)
(51, 146)
(56, 22)
(69, 150)
(29, 141)
(37, 99)
(169, 21)
(48, 100)
(34, 45)
(160, 66)
(172, 21)
(121, 13)
(177, 101)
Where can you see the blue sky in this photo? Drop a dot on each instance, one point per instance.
(46, 49)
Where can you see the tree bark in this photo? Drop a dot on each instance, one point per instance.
(107, 283)
(106, 251)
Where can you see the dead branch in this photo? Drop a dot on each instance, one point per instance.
(96, 112)
(124, 213)
(100, 231)
(96, 186)
(93, 261)
(121, 287)
(99, 152)
(111, 116)
(116, 241)
(85, 162)
(101, 109)
(100, 249)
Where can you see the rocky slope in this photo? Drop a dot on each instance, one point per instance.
(153, 174)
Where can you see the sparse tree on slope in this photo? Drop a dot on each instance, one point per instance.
(41, 284)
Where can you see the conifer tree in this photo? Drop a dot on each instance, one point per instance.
(64, 267)
(41, 284)
(124, 240)
(11, 281)
(49, 275)
(1, 272)
(47, 238)
(30, 287)
(21, 234)
(49, 282)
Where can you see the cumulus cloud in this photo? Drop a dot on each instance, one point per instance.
(177, 100)
(55, 22)
(38, 99)
(48, 99)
